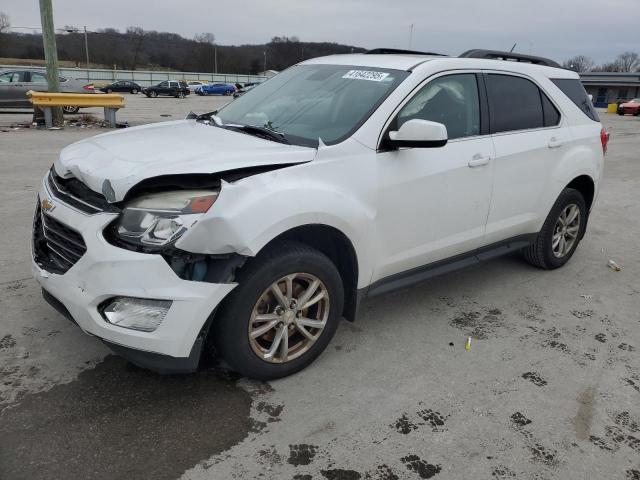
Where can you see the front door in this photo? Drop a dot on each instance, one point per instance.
(13, 89)
(433, 202)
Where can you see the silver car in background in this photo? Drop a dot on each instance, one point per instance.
(15, 83)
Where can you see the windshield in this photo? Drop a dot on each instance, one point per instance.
(635, 100)
(307, 102)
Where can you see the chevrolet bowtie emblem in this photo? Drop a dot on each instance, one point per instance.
(47, 206)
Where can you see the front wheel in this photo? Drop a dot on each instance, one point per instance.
(70, 109)
(153, 94)
(561, 232)
(282, 314)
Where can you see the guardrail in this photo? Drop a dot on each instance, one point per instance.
(144, 77)
(111, 102)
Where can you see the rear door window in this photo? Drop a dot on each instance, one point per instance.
(573, 89)
(514, 103)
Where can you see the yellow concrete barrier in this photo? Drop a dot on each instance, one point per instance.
(612, 108)
(47, 99)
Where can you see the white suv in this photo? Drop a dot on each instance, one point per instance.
(255, 228)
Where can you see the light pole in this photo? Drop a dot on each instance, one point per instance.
(264, 70)
(86, 51)
(86, 45)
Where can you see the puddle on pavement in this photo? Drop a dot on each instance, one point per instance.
(117, 421)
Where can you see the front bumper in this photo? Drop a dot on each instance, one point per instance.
(106, 271)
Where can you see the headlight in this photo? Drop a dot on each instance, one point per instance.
(160, 219)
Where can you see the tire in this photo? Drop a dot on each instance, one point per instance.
(109, 90)
(637, 114)
(542, 252)
(229, 333)
(134, 91)
(69, 109)
(180, 95)
(153, 94)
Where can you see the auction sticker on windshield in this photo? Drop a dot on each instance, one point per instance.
(366, 75)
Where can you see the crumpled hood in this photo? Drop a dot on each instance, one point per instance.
(114, 162)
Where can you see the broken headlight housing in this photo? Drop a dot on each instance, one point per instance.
(158, 220)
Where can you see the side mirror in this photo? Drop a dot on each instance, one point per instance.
(419, 134)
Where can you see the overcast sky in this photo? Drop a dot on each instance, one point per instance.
(554, 28)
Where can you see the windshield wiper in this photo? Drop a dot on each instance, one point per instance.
(257, 131)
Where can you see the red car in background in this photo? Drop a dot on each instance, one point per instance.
(632, 107)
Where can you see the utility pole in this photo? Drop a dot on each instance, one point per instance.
(264, 70)
(410, 36)
(86, 51)
(215, 58)
(51, 55)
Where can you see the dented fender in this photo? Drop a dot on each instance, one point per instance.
(250, 213)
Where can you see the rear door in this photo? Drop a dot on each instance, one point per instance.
(525, 127)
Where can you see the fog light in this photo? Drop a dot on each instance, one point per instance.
(136, 313)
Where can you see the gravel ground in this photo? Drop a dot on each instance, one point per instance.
(550, 388)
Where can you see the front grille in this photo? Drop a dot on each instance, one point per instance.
(56, 247)
(77, 195)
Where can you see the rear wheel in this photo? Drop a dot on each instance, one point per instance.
(109, 90)
(70, 109)
(282, 314)
(134, 90)
(561, 233)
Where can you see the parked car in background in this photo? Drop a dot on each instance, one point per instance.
(194, 84)
(253, 230)
(216, 89)
(170, 88)
(632, 107)
(122, 86)
(15, 83)
(242, 91)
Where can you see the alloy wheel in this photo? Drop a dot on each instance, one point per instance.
(289, 317)
(565, 232)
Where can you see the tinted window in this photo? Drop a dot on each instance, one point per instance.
(549, 111)
(573, 89)
(514, 103)
(451, 100)
(164, 84)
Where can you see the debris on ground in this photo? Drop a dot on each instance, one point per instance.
(586, 296)
(614, 266)
(467, 346)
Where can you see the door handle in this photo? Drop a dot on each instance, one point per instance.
(478, 160)
(554, 142)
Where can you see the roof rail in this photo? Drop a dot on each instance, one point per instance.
(518, 57)
(396, 51)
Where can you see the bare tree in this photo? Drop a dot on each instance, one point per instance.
(136, 34)
(627, 62)
(5, 23)
(579, 63)
(205, 37)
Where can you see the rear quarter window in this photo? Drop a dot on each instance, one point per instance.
(573, 89)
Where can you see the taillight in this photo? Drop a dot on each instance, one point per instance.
(604, 139)
(88, 87)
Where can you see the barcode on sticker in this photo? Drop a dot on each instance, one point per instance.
(366, 75)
